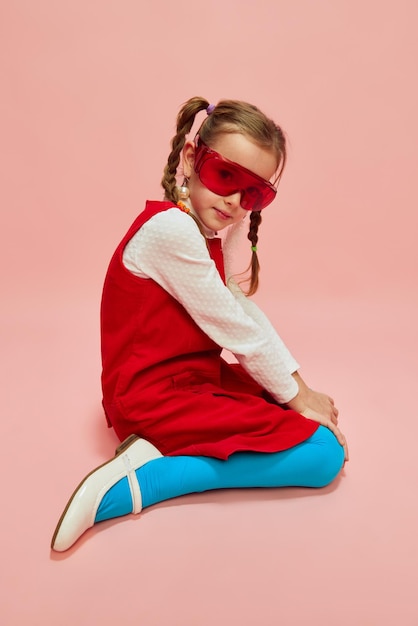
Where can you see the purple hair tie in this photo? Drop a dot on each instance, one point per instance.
(210, 109)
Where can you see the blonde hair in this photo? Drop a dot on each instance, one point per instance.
(228, 116)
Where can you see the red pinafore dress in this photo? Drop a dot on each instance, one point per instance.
(164, 379)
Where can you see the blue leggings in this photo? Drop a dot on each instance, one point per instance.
(313, 463)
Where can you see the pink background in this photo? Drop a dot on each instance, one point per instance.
(89, 95)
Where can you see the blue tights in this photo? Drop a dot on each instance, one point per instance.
(313, 463)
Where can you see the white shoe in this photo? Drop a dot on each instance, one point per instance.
(81, 510)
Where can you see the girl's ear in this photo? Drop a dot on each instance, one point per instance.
(188, 158)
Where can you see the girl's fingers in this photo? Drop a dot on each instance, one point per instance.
(340, 438)
(334, 415)
(330, 423)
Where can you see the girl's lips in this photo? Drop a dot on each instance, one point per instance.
(221, 214)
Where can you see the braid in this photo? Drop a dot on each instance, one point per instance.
(255, 221)
(185, 120)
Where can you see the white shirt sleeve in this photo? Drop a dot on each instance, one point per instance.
(258, 316)
(170, 249)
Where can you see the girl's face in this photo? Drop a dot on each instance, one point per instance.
(217, 212)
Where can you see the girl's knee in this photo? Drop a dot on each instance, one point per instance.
(330, 456)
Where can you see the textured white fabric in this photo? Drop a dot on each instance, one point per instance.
(170, 249)
(258, 316)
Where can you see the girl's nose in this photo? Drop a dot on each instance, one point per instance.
(234, 199)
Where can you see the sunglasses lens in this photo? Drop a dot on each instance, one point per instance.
(257, 197)
(226, 178)
(252, 199)
(219, 177)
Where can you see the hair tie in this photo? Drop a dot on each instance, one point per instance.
(210, 109)
(254, 248)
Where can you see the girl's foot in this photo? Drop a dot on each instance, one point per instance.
(80, 512)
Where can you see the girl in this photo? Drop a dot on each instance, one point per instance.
(188, 420)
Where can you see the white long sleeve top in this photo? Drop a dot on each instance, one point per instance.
(170, 250)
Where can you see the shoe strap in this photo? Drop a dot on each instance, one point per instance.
(133, 484)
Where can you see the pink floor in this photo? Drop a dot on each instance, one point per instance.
(344, 555)
(89, 95)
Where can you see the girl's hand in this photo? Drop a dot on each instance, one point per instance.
(328, 423)
(318, 407)
(319, 402)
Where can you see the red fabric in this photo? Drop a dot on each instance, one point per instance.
(164, 379)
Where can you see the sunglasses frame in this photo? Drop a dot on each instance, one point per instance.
(203, 153)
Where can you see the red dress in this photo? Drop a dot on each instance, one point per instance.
(164, 379)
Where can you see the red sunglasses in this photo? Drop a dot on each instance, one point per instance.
(225, 178)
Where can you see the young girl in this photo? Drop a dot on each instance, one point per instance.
(189, 421)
